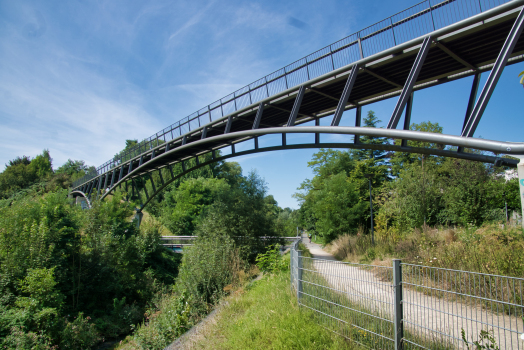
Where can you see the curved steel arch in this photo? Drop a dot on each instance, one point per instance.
(82, 194)
(494, 146)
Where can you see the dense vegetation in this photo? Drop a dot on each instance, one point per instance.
(71, 278)
(409, 191)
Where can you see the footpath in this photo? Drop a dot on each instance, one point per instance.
(438, 318)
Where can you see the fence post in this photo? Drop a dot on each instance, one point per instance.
(299, 274)
(399, 314)
(292, 266)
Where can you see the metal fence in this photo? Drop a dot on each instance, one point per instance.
(409, 306)
(420, 19)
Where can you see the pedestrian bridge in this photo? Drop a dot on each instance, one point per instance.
(431, 43)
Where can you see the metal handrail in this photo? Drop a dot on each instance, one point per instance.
(417, 20)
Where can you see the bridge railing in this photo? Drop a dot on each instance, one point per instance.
(181, 241)
(420, 19)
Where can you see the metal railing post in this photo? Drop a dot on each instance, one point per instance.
(398, 311)
(299, 275)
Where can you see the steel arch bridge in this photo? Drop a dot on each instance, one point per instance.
(426, 45)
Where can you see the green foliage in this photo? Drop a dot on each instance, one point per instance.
(417, 190)
(267, 316)
(183, 207)
(207, 267)
(75, 169)
(210, 265)
(271, 260)
(79, 334)
(21, 173)
(56, 260)
(175, 318)
(20, 339)
(371, 121)
(486, 341)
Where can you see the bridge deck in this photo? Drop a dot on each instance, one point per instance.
(457, 51)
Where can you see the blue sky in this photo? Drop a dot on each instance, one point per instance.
(81, 77)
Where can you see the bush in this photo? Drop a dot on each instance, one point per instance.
(79, 334)
(210, 265)
(271, 260)
(19, 339)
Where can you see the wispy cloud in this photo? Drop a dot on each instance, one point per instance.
(192, 21)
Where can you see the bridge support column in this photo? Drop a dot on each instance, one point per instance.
(520, 168)
(138, 218)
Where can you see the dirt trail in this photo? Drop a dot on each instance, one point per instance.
(422, 313)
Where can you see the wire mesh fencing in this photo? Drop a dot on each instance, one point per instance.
(408, 306)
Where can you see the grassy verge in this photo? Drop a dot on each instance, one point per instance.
(265, 315)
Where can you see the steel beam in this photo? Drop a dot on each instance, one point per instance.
(113, 178)
(358, 118)
(258, 116)
(256, 142)
(407, 118)
(296, 106)
(345, 96)
(152, 182)
(121, 173)
(454, 55)
(153, 153)
(130, 169)
(161, 177)
(315, 90)
(99, 185)
(184, 140)
(167, 147)
(317, 135)
(408, 87)
(90, 188)
(471, 102)
(141, 161)
(204, 133)
(380, 77)
(494, 76)
(288, 110)
(388, 147)
(145, 190)
(228, 124)
(360, 49)
(171, 171)
(283, 139)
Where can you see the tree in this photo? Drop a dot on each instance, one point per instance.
(21, 173)
(184, 205)
(402, 159)
(371, 121)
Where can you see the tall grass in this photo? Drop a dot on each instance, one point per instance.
(265, 315)
(488, 249)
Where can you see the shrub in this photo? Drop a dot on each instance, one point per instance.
(19, 339)
(271, 260)
(79, 334)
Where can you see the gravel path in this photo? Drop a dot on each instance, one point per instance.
(437, 317)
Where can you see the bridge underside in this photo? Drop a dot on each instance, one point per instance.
(445, 55)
